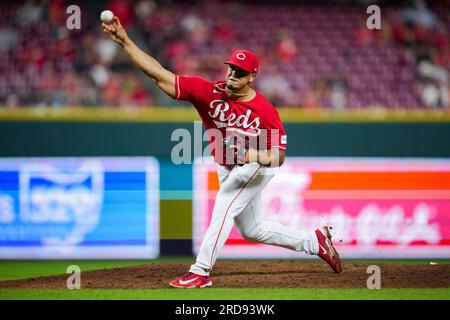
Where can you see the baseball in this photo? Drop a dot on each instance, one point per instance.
(106, 16)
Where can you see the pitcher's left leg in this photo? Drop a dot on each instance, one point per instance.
(241, 186)
(253, 228)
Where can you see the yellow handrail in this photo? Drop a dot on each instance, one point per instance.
(189, 114)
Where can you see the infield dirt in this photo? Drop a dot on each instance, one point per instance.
(252, 274)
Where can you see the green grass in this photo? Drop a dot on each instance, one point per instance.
(20, 269)
(229, 294)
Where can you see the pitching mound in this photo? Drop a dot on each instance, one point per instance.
(252, 274)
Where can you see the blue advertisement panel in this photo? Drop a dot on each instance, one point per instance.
(79, 208)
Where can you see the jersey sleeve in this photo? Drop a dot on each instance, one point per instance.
(191, 89)
(276, 135)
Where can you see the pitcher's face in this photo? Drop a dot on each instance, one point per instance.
(237, 78)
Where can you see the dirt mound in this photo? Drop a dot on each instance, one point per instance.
(252, 274)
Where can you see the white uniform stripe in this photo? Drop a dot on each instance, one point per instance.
(177, 87)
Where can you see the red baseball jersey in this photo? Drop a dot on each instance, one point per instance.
(255, 118)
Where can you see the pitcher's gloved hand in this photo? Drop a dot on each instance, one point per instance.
(236, 148)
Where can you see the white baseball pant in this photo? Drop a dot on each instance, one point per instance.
(238, 203)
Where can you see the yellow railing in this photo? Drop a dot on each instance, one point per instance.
(188, 114)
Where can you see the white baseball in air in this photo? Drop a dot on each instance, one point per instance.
(106, 16)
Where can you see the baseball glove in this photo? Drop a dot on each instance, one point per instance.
(235, 147)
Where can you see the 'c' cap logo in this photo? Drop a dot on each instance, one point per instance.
(241, 56)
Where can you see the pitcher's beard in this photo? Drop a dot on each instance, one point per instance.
(230, 87)
(230, 90)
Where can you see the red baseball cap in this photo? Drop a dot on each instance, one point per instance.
(245, 60)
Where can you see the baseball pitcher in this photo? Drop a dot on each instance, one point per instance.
(248, 143)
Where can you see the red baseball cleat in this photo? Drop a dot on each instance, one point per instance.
(326, 250)
(191, 280)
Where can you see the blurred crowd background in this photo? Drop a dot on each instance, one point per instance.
(314, 54)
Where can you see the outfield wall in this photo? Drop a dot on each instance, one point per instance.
(42, 136)
(379, 207)
(73, 138)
